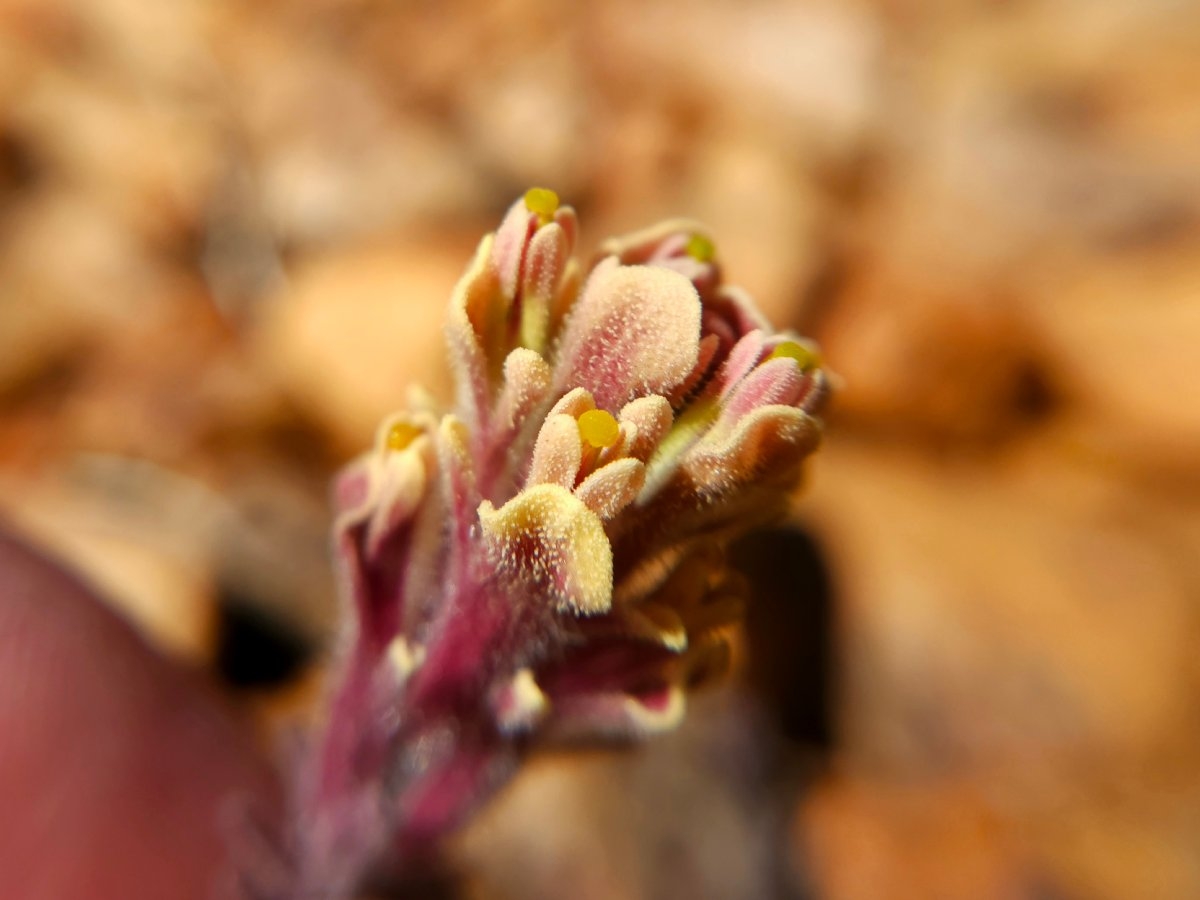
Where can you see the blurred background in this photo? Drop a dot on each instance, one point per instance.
(228, 232)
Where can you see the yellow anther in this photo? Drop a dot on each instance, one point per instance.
(543, 202)
(808, 358)
(598, 428)
(700, 248)
(401, 435)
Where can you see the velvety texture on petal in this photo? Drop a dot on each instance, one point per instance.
(548, 542)
(470, 329)
(558, 453)
(401, 477)
(767, 438)
(611, 488)
(573, 403)
(526, 384)
(635, 330)
(545, 261)
(652, 417)
(776, 382)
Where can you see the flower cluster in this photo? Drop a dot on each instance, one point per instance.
(547, 558)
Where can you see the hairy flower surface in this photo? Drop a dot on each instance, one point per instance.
(547, 558)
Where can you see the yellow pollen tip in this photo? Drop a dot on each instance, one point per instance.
(807, 358)
(543, 202)
(598, 428)
(401, 435)
(700, 248)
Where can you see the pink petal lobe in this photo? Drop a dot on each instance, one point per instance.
(635, 330)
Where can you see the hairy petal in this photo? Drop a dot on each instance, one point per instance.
(526, 384)
(557, 454)
(546, 541)
(400, 487)
(514, 232)
(745, 355)
(777, 382)
(652, 417)
(769, 439)
(545, 262)
(471, 325)
(613, 487)
(574, 403)
(635, 330)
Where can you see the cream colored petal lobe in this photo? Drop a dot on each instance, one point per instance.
(653, 417)
(471, 320)
(402, 477)
(613, 487)
(526, 384)
(573, 403)
(547, 542)
(557, 454)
